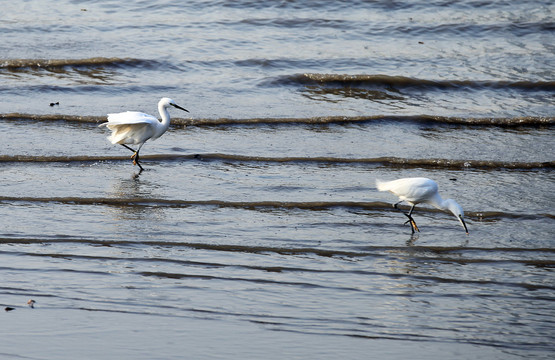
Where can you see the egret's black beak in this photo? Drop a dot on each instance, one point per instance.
(179, 107)
(463, 224)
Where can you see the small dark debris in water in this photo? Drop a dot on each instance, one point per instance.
(56, 103)
(9, 308)
(83, 9)
(31, 303)
(453, 179)
(421, 42)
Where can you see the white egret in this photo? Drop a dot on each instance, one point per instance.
(420, 190)
(133, 127)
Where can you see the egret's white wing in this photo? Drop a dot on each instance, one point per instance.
(131, 127)
(410, 189)
(136, 133)
(420, 190)
(130, 117)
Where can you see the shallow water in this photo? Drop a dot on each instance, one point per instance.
(256, 229)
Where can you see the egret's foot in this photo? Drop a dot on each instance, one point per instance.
(414, 227)
(135, 158)
(412, 223)
(139, 165)
(136, 162)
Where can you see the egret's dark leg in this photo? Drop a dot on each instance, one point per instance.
(135, 155)
(127, 147)
(135, 158)
(413, 226)
(411, 220)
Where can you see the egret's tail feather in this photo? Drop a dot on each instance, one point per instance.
(381, 185)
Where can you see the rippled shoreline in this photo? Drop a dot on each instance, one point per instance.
(390, 162)
(529, 121)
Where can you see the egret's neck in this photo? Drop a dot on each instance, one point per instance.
(446, 205)
(438, 202)
(165, 116)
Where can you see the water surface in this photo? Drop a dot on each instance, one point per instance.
(256, 229)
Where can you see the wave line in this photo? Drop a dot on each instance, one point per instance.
(254, 205)
(398, 82)
(366, 251)
(57, 64)
(509, 122)
(390, 162)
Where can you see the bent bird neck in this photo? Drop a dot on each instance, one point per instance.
(438, 202)
(165, 116)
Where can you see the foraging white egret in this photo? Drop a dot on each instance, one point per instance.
(420, 190)
(133, 127)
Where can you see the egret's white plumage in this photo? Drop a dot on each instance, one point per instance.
(420, 190)
(133, 127)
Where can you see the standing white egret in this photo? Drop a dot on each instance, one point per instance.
(133, 127)
(420, 190)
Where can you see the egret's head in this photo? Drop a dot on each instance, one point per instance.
(457, 210)
(165, 102)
